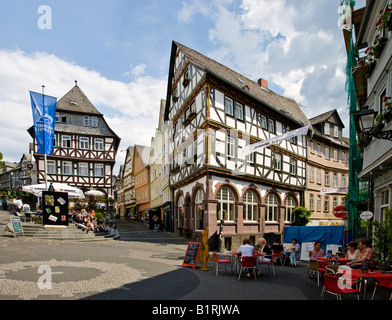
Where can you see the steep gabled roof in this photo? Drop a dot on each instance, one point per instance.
(277, 103)
(76, 101)
(326, 117)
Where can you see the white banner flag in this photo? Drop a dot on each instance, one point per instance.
(266, 143)
(334, 190)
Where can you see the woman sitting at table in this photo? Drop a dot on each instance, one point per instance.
(352, 250)
(317, 252)
(264, 250)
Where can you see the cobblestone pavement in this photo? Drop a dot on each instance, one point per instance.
(141, 265)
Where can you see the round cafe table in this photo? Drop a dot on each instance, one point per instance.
(323, 261)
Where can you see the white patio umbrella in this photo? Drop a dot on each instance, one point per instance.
(36, 189)
(95, 193)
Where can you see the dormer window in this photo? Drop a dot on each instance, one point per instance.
(326, 128)
(94, 122)
(86, 121)
(336, 131)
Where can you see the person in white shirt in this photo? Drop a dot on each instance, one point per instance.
(246, 250)
(18, 204)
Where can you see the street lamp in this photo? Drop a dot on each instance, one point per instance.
(366, 122)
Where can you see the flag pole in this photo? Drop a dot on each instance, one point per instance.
(45, 157)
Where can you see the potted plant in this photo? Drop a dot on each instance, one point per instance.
(382, 240)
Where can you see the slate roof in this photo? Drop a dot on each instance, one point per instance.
(280, 104)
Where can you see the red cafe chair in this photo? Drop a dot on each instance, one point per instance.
(248, 263)
(332, 286)
(385, 284)
(218, 261)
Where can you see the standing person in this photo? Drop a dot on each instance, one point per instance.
(4, 202)
(295, 247)
(317, 252)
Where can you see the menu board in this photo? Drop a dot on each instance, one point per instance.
(55, 208)
(16, 225)
(191, 255)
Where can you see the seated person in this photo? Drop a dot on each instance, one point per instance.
(78, 221)
(365, 253)
(352, 251)
(317, 252)
(264, 250)
(277, 245)
(246, 250)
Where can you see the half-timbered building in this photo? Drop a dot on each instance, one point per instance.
(85, 147)
(215, 112)
(141, 173)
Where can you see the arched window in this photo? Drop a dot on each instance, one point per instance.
(199, 210)
(180, 213)
(251, 208)
(225, 209)
(271, 210)
(290, 206)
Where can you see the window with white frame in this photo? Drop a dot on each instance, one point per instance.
(326, 128)
(66, 141)
(311, 173)
(98, 144)
(278, 162)
(250, 207)
(326, 178)
(225, 209)
(311, 202)
(326, 203)
(239, 111)
(384, 204)
(326, 152)
(290, 205)
(319, 148)
(336, 131)
(51, 166)
(335, 154)
(94, 122)
(229, 106)
(231, 147)
(318, 203)
(344, 156)
(271, 209)
(293, 166)
(83, 169)
(318, 175)
(98, 170)
(86, 121)
(335, 180)
(84, 143)
(311, 146)
(67, 168)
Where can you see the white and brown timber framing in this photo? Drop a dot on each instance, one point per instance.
(195, 104)
(75, 114)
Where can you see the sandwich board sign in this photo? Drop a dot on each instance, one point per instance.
(15, 226)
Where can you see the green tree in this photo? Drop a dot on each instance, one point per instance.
(1, 162)
(382, 239)
(301, 216)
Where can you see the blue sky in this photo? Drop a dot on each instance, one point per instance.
(119, 52)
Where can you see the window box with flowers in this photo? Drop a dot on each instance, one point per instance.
(368, 65)
(385, 20)
(378, 46)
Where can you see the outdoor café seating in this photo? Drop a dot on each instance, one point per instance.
(270, 261)
(218, 261)
(384, 284)
(315, 268)
(332, 286)
(248, 263)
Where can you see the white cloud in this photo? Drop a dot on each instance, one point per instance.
(289, 43)
(131, 109)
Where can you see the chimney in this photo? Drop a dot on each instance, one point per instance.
(263, 83)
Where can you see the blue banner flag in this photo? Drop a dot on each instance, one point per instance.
(44, 113)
